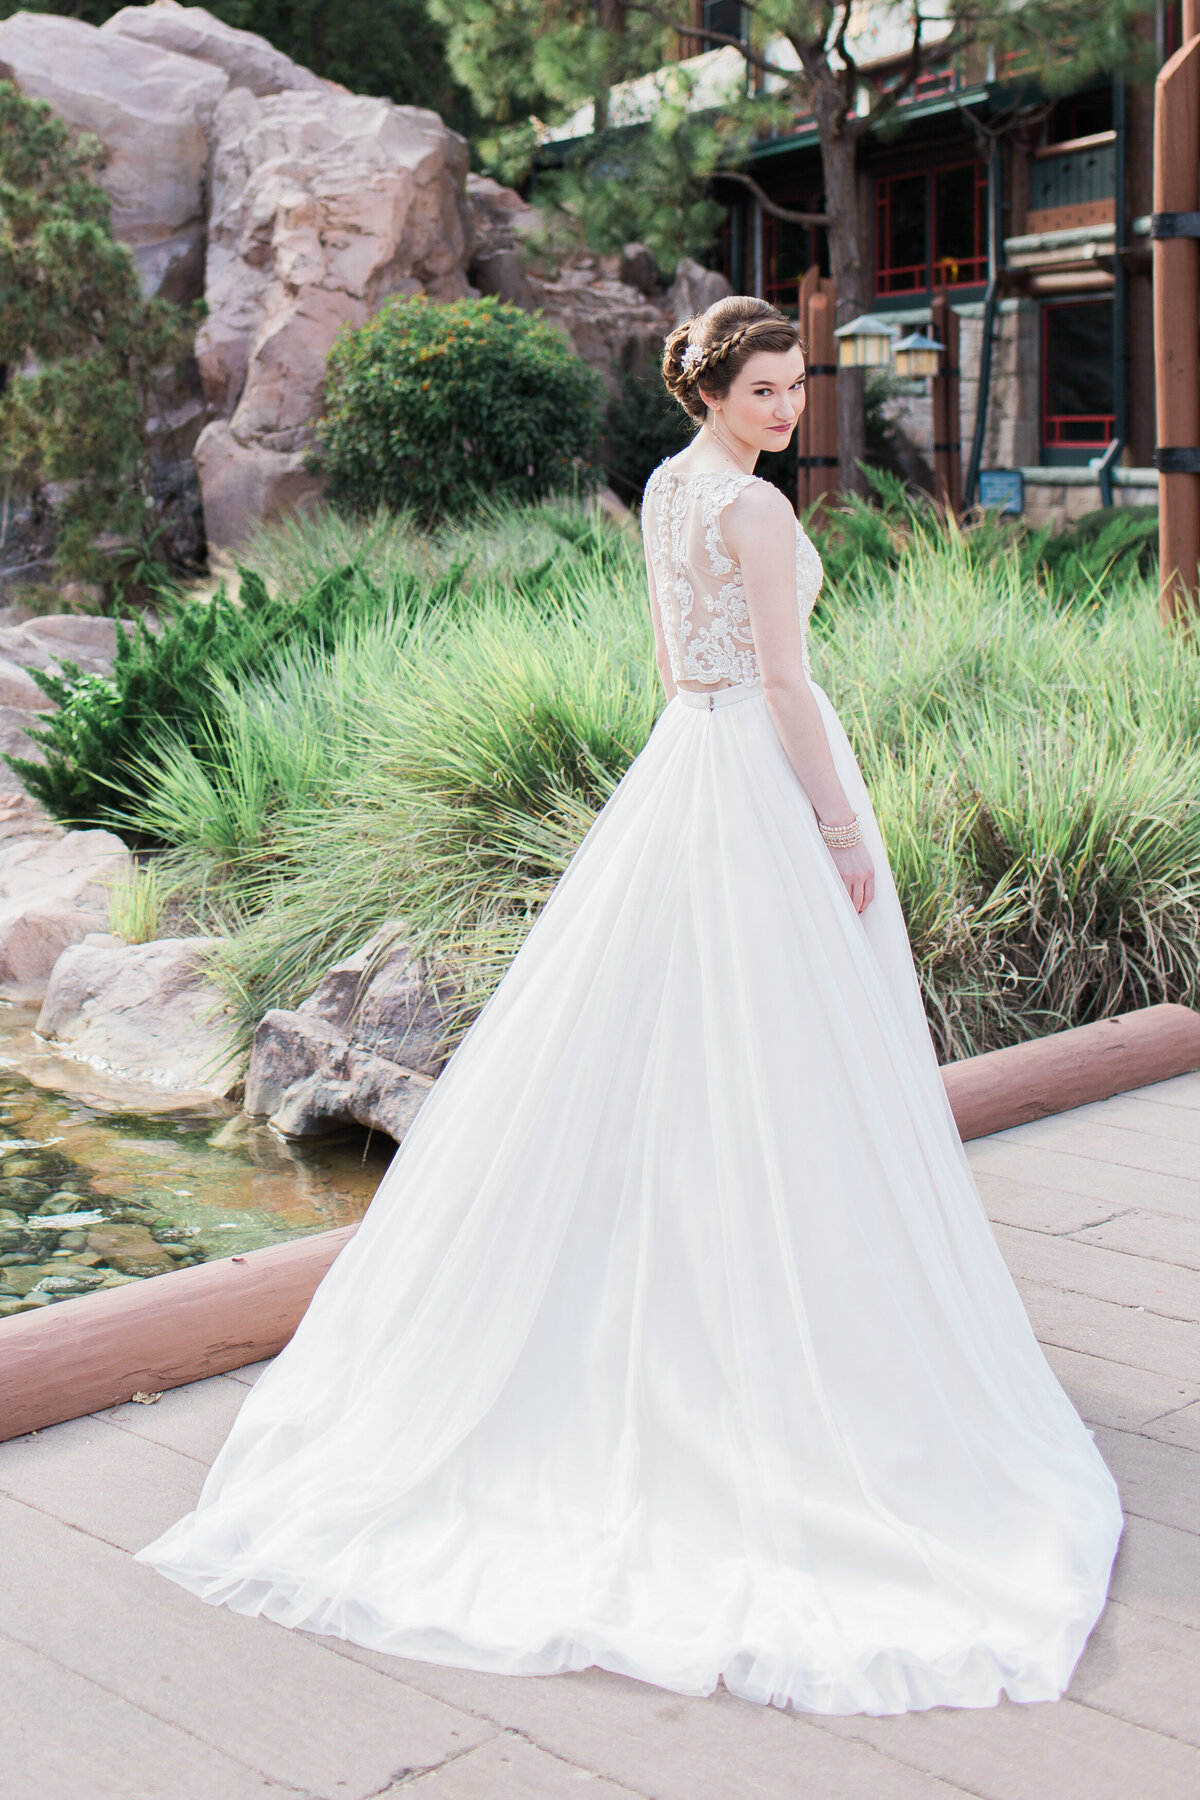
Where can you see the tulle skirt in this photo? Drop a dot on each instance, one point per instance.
(676, 1340)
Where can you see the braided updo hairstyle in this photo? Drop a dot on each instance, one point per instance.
(728, 335)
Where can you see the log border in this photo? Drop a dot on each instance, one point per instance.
(66, 1361)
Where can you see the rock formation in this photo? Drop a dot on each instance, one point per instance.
(152, 110)
(248, 60)
(323, 205)
(53, 892)
(362, 1049)
(44, 643)
(143, 1012)
(296, 208)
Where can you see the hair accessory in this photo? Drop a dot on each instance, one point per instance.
(690, 358)
(841, 837)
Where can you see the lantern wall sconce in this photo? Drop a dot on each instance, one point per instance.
(866, 343)
(918, 355)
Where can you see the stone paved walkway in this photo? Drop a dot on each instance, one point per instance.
(116, 1683)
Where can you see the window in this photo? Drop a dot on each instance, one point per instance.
(790, 250)
(1080, 115)
(931, 229)
(723, 16)
(1077, 375)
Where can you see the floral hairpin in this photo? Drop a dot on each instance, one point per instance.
(691, 357)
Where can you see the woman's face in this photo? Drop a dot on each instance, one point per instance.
(765, 399)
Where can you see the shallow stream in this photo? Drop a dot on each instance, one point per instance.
(101, 1185)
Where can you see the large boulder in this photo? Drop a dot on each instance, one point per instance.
(612, 326)
(363, 1049)
(247, 59)
(46, 643)
(58, 638)
(609, 309)
(151, 110)
(53, 892)
(694, 290)
(143, 1012)
(324, 204)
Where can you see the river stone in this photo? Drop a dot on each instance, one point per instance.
(362, 1049)
(54, 892)
(130, 1250)
(67, 1282)
(147, 1012)
(24, 1279)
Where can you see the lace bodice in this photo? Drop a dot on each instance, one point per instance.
(698, 585)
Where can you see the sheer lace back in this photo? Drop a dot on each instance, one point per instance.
(698, 585)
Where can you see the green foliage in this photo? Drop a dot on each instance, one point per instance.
(74, 326)
(432, 407)
(650, 185)
(96, 744)
(643, 425)
(396, 49)
(1074, 567)
(1035, 767)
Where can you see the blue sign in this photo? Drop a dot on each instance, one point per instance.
(1003, 489)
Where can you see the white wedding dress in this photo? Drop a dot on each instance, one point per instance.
(675, 1340)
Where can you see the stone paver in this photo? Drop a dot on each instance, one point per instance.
(116, 1683)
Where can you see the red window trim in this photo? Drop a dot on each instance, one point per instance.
(783, 293)
(945, 272)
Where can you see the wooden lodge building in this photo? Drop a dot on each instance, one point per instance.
(983, 185)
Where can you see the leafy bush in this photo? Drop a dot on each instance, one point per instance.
(430, 408)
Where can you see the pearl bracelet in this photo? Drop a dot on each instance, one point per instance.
(841, 837)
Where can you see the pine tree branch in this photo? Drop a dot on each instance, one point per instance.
(768, 205)
(752, 57)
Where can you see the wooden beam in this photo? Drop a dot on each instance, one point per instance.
(1071, 1068)
(947, 419)
(80, 1356)
(1176, 331)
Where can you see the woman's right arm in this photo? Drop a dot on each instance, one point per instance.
(759, 528)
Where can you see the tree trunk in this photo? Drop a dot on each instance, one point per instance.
(839, 143)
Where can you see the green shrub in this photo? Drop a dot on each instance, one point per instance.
(430, 408)
(82, 352)
(98, 741)
(1075, 566)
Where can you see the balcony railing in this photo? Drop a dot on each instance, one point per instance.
(1074, 184)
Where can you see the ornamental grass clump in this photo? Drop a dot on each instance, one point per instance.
(430, 408)
(1035, 769)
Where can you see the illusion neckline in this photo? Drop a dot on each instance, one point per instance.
(700, 474)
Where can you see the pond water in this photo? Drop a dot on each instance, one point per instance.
(101, 1185)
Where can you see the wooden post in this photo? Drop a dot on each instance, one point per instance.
(1177, 328)
(810, 283)
(819, 454)
(947, 423)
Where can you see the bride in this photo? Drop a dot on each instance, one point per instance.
(675, 1340)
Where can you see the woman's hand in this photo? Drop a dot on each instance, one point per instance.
(858, 873)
